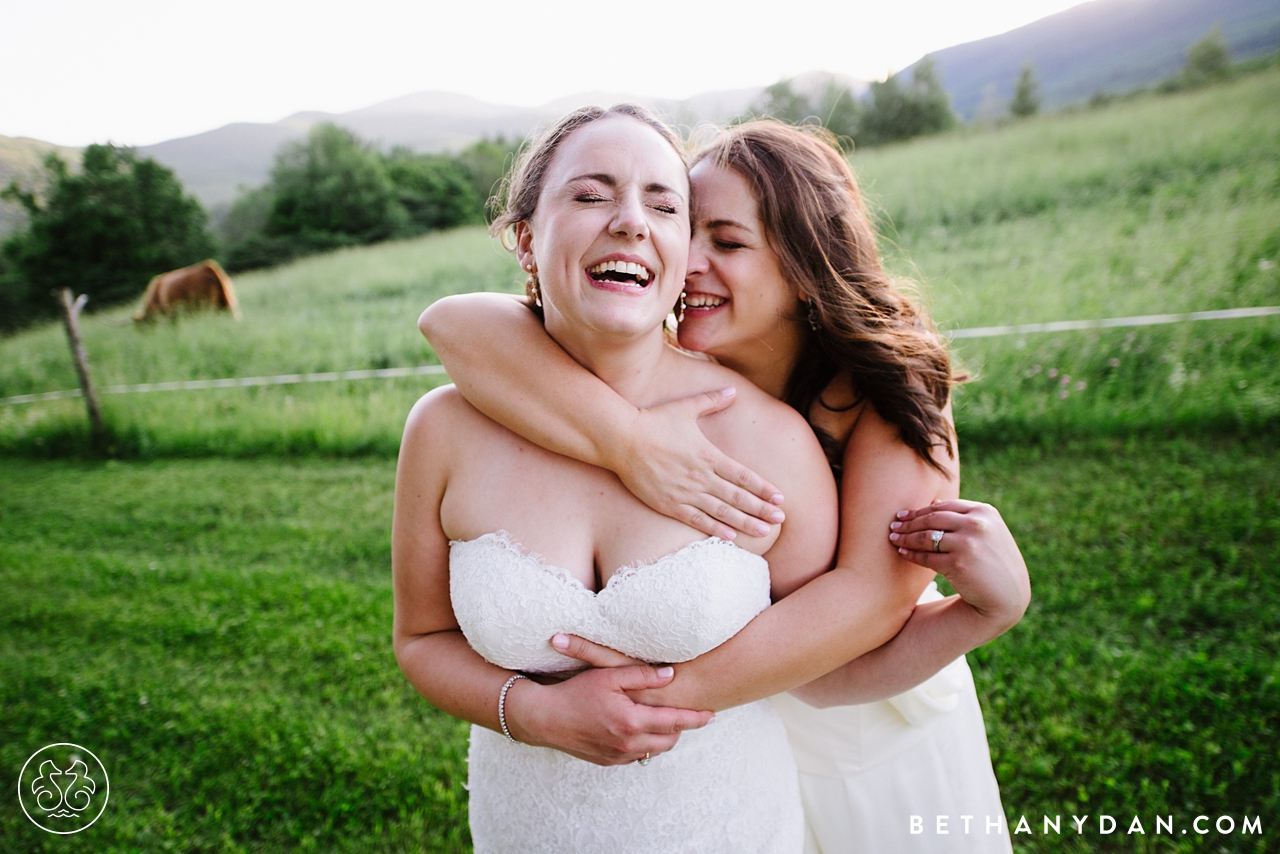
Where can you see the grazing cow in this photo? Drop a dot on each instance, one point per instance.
(203, 284)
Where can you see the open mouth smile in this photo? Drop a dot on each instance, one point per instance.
(627, 274)
(703, 302)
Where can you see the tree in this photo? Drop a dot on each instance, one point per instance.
(1026, 101)
(435, 190)
(784, 103)
(333, 190)
(1207, 59)
(103, 232)
(839, 111)
(486, 162)
(901, 112)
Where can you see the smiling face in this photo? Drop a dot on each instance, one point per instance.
(739, 307)
(610, 234)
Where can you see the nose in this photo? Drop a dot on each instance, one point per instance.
(698, 262)
(629, 219)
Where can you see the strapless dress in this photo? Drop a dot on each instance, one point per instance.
(728, 787)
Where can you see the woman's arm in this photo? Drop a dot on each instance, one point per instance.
(841, 615)
(980, 558)
(439, 663)
(504, 363)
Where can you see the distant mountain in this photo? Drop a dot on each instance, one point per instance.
(212, 165)
(22, 159)
(1103, 46)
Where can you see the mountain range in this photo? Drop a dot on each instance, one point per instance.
(1105, 45)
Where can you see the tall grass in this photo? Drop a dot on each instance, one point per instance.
(1156, 204)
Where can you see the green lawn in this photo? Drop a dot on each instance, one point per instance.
(210, 611)
(218, 632)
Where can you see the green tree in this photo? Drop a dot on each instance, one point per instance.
(901, 112)
(1207, 59)
(486, 161)
(103, 232)
(333, 189)
(1026, 100)
(435, 190)
(839, 110)
(784, 103)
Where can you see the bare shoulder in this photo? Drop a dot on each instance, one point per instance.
(874, 440)
(439, 419)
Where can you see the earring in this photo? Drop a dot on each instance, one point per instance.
(531, 285)
(814, 321)
(680, 308)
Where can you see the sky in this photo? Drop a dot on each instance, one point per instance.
(136, 72)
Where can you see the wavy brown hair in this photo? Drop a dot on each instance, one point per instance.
(518, 194)
(818, 228)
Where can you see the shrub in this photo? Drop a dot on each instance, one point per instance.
(901, 112)
(104, 232)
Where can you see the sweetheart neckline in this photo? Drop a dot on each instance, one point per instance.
(506, 541)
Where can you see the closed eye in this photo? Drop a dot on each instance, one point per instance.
(728, 245)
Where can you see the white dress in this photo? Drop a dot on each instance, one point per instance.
(728, 787)
(868, 772)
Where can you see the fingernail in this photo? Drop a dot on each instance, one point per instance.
(893, 526)
(777, 517)
(666, 672)
(728, 391)
(712, 719)
(730, 534)
(902, 552)
(902, 514)
(893, 538)
(762, 530)
(560, 641)
(777, 498)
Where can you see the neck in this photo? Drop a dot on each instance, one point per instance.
(768, 363)
(633, 366)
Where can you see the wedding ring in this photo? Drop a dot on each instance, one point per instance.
(936, 536)
(644, 761)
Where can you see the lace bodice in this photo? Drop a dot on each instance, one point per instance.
(730, 787)
(509, 603)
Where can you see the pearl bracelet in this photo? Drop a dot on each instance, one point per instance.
(502, 706)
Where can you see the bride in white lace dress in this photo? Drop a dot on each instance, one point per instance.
(498, 544)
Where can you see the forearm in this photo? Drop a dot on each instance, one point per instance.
(830, 621)
(936, 634)
(500, 357)
(453, 677)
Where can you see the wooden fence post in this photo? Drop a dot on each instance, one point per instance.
(71, 319)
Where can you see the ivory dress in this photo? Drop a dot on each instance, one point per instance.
(866, 770)
(728, 787)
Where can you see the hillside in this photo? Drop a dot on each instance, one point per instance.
(1158, 204)
(22, 159)
(1106, 45)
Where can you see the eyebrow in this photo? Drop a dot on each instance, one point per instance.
(610, 181)
(733, 223)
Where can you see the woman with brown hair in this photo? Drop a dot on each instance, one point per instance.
(784, 285)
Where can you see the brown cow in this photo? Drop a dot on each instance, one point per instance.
(203, 284)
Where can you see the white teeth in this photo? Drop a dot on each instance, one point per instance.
(703, 301)
(641, 272)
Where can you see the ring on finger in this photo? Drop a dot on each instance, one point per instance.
(936, 536)
(644, 761)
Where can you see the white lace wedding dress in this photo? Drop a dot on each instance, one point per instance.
(729, 787)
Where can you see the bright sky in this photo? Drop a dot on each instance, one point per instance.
(142, 71)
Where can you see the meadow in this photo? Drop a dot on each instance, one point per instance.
(209, 610)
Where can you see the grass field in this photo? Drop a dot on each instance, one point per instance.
(218, 632)
(210, 611)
